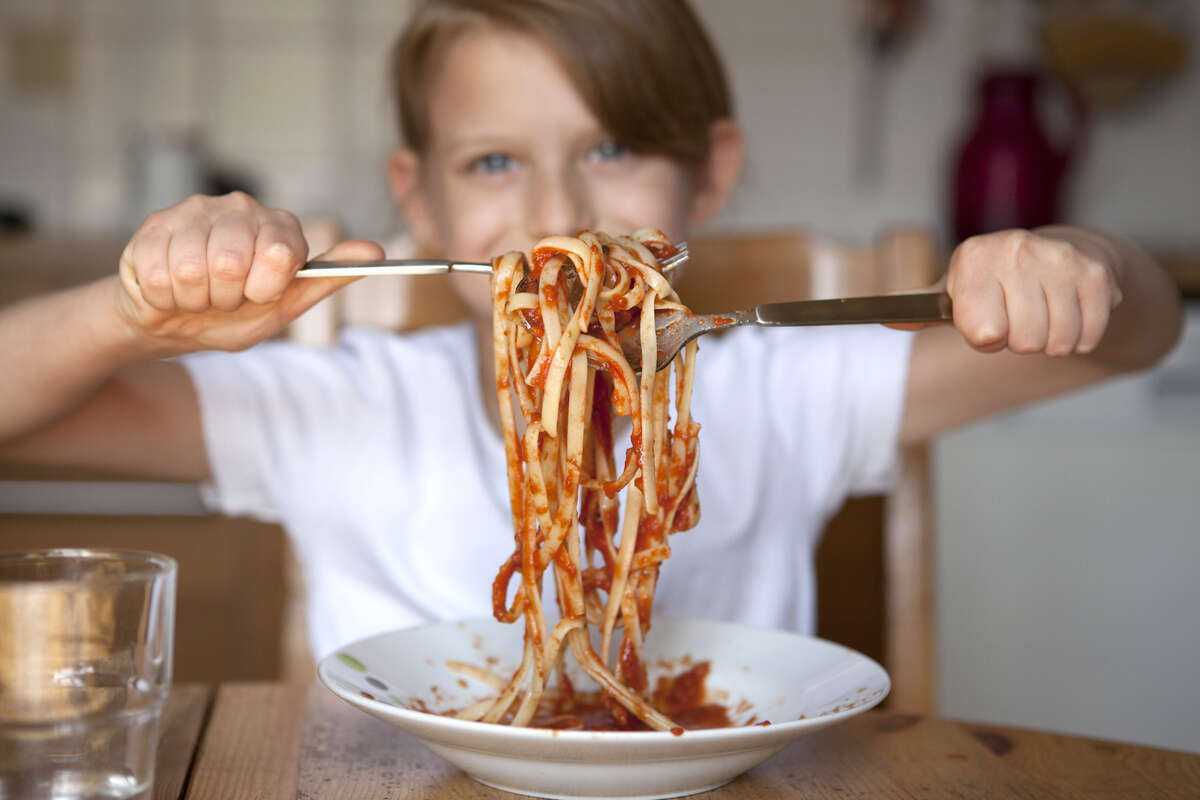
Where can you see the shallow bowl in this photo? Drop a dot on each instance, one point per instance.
(798, 684)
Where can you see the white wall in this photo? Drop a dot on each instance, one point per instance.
(1068, 548)
(292, 91)
(797, 74)
(295, 91)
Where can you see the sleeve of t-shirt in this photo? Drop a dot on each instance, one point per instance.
(266, 412)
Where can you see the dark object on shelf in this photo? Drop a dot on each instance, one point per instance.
(1008, 174)
(15, 218)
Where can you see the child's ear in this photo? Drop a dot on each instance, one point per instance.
(718, 176)
(412, 197)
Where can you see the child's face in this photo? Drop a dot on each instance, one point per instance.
(514, 155)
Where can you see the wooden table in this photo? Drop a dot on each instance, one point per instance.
(260, 741)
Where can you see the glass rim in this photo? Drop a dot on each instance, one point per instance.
(144, 564)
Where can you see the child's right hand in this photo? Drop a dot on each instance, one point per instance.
(218, 273)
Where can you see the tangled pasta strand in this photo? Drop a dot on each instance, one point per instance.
(559, 359)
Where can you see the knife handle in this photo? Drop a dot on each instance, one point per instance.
(887, 308)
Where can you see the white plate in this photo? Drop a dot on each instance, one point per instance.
(798, 683)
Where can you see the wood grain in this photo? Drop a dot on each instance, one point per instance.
(1094, 767)
(885, 754)
(179, 734)
(251, 744)
(268, 741)
(348, 754)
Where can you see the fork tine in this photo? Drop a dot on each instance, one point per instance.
(671, 263)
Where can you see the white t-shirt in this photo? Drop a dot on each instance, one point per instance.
(378, 458)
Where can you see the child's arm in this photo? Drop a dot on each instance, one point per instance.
(82, 384)
(1037, 313)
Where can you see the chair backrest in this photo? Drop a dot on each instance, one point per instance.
(727, 272)
(731, 271)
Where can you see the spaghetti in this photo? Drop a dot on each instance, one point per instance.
(558, 355)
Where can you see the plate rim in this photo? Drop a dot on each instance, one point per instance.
(758, 736)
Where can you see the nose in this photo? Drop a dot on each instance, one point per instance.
(558, 202)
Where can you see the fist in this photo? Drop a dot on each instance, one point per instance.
(218, 273)
(215, 252)
(1032, 293)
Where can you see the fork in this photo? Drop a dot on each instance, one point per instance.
(435, 266)
(674, 329)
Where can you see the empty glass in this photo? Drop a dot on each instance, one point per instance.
(85, 666)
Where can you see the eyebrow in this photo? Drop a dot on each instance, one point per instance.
(475, 140)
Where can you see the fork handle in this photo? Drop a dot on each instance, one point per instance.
(403, 266)
(887, 308)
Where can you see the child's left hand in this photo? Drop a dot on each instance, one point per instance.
(1033, 292)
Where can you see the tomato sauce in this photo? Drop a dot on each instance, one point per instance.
(681, 697)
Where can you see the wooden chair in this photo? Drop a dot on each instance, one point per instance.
(875, 563)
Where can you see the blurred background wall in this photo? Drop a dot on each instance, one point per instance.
(1068, 534)
(287, 95)
(290, 96)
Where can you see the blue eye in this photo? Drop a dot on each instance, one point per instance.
(608, 150)
(493, 163)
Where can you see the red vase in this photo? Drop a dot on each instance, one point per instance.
(1008, 173)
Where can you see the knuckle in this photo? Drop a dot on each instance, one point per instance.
(1026, 343)
(278, 257)
(967, 249)
(229, 266)
(189, 271)
(239, 200)
(950, 282)
(154, 280)
(1059, 347)
(1094, 273)
(959, 260)
(982, 334)
(1018, 237)
(966, 268)
(1024, 248)
(155, 222)
(196, 202)
(1057, 251)
(287, 224)
(1087, 343)
(286, 218)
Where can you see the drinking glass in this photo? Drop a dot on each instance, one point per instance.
(85, 666)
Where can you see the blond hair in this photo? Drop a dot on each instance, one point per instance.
(645, 68)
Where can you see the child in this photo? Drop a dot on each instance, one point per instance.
(381, 456)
